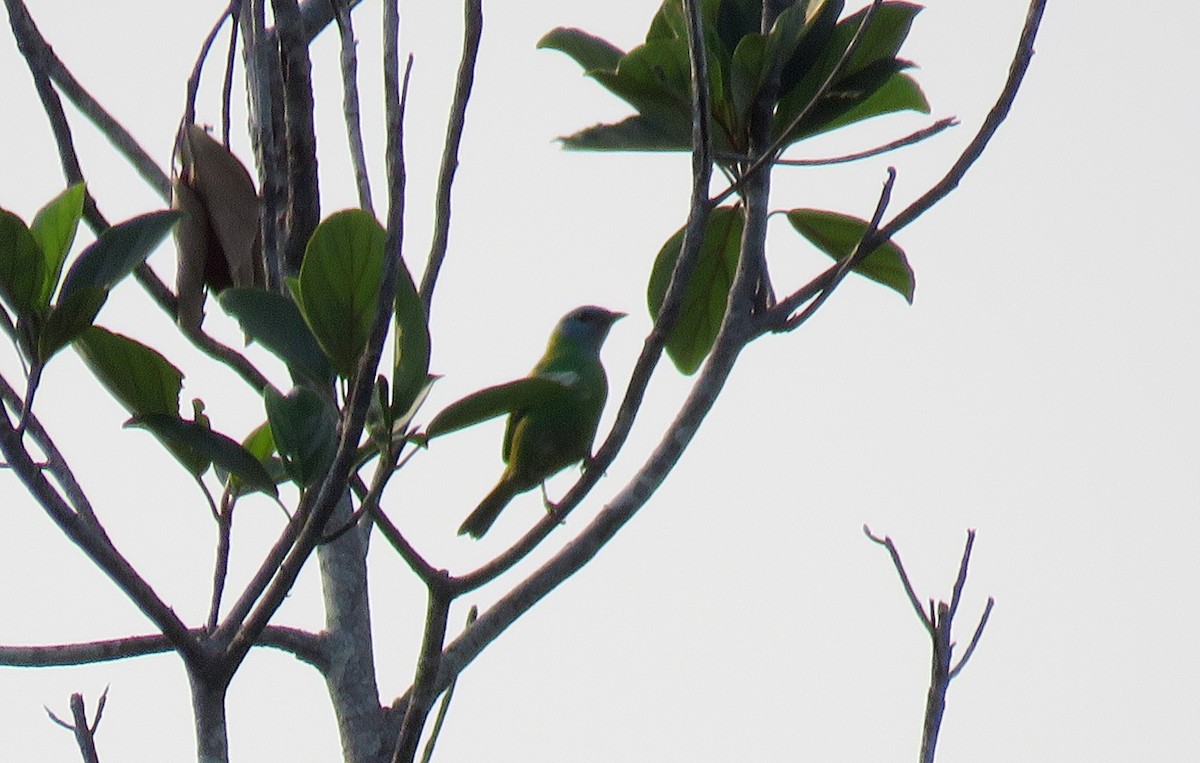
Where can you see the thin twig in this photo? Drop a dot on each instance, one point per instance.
(938, 621)
(907, 140)
(46, 66)
(472, 35)
(777, 318)
(424, 691)
(887, 543)
(766, 158)
(85, 733)
(192, 88)
(983, 620)
(236, 361)
(440, 720)
(853, 258)
(652, 348)
(235, 9)
(350, 107)
(92, 540)
(221, 564)
(56, 463)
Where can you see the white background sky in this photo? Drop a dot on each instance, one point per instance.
(1042, 389)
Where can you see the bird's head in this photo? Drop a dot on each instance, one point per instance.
(587, 326)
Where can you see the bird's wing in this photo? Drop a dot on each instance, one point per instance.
(568, 379)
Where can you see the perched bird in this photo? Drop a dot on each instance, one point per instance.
(555, 432)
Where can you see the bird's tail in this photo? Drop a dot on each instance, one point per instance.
(489, 508)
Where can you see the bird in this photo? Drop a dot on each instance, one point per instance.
(557, 431)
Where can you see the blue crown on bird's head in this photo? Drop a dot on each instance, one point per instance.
(588, 324)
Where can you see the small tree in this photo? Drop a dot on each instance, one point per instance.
(733, 82)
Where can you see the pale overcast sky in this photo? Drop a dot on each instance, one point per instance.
(1042, 389)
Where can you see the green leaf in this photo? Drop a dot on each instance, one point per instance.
(261, 443)
(589, 51)
(898, 93)
(871, 66)
(837, 235)
(820, 23)
(636, 133)
(411, 369)
(304, 426)
(889, 28)
(492, 402)
(668, 22)
(208, 446)
(68, 319)
(705, 300)
(402, 419)
(54, 227)
(339, 284)
(22, 265)
(117, 252)
(655, 79)
(276, 323)
(139, 377)
(747, 72)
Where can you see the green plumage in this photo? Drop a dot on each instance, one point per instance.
(558, 431)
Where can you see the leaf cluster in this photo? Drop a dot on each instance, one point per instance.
(816, 71)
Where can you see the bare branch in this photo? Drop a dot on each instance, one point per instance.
(887, 543)
(303, 645)
(436, 731)
(983, 620)
(349, 61)
(938, 622)
(56, 463)
(84, 733)
(856, 256)
(235, 8)
(303, 200)
(90, 537)
(193, 80)
(472, 35)
(46, 66)
(907, 140)
(424, 691)
(221, 563)
(776, 319)
(668, 315)
(279, 570)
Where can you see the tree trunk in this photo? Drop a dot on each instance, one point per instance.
(351, 674)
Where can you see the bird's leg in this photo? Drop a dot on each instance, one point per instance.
(588, 464)
(551, 506)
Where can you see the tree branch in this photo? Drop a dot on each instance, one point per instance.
(938, 623)
(303, 645)
(668, 315)
(777, 318)
(90, 537)
(317, 504)
(424, 690)
(472, 35)
(349, 62)
(46, 66)
(303, 200)
(85, 733)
